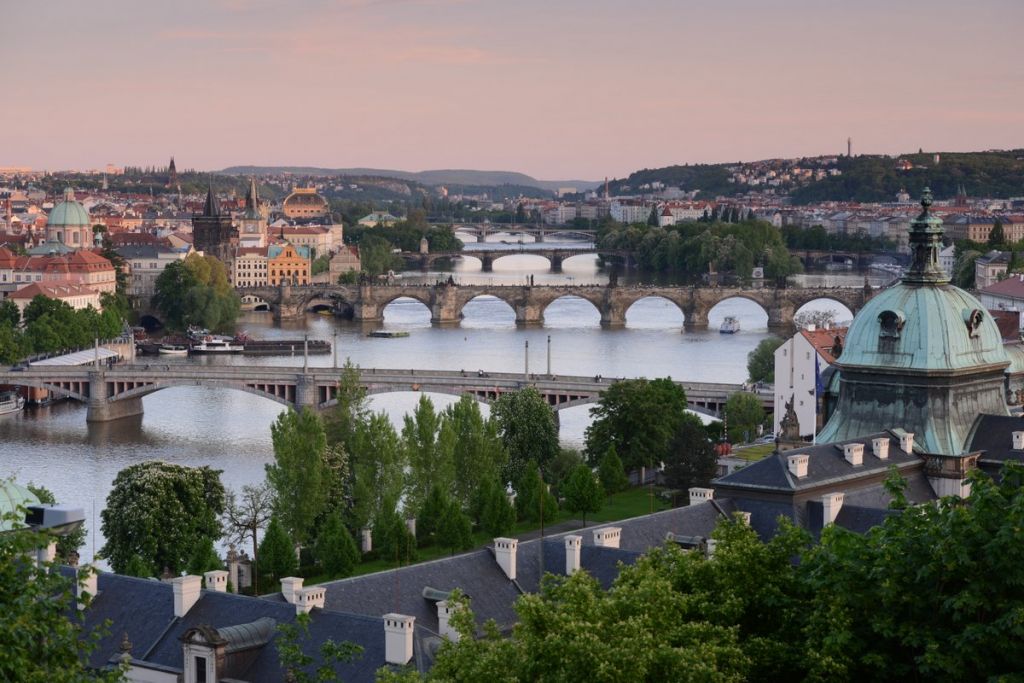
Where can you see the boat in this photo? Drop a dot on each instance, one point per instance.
(731, 325)
(11, 402)
(210, 344)
(173, 349)
(384, 334)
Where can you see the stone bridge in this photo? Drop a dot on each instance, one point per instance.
(487, 257)
(367, 302)
(116, 392)
(539, 232)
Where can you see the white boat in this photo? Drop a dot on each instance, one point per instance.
(173, 350)
(731, 325)
(210, 344)
(10, 402)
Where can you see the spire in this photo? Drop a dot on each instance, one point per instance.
(925, 243)
(252, 201)
(212, 207)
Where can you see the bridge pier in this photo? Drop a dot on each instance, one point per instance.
(556, 263)
(101, 408)
(529, 314)
(305, 393)
(780, 321)
(612, 315)
(486, 263)
(695, 318)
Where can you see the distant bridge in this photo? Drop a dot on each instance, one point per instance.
(446, 302)
(114, 393)
(487, 257)
(539, 232)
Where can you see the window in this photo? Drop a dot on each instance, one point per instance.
(200, 669)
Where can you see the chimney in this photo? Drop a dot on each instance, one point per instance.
(291, 586)
(308, 598)
(444, 616)
(46, 554)
(608, 537)
(854, 453)
(1018, 441)
(505, 554)
(831, 504)
(745, 517)
(798, 464)
(398, 638)
(880, 447)
(572, 554)
(233, 568)
(709, 547)
(699, 495)
(410, 524)
(186, 593)
(88, 582)
(217, 580)
(367, 539)
(907, 442)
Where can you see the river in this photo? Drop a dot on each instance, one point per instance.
(229, 430)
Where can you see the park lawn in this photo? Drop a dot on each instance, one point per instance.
(630, 503)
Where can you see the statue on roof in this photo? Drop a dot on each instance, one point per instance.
(790, 425)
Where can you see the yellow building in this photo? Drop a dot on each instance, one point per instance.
(288, 263)
(304, 203)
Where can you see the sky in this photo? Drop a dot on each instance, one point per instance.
(558, 89)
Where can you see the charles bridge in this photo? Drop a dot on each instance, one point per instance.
(487, 257)
(366, 302)
(116, 392)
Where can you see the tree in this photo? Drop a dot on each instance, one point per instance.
(997, 236)
(392, 537)
(245, 515)
(428, 519)
(652, 218)
(335, 549)
(534, 501)
(612, 475)
(744, 413)
(196, 291)
(67, 544)
(497, 515)
(804, 319)
(277, 552)
(527, 427)
(42, 642)
(761, 361)
(562, 467)
(161, 512)
(296, 663)
(204, 558)
(477, 453)
(378, 465)
(342, 422)
(455, 531)
(963, 270)
(297, 476)
(691, 459)
(9, 313)
(583, 492)
(637, 417)
(428, 443)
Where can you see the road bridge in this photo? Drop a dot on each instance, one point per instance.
(539, 232)
(117, 392)
(487, 257)
(366, 302)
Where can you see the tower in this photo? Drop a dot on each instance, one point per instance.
(252, 225)
(212, 232)
(849, 147)
(172, 174)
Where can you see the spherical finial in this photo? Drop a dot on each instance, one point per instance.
(926, 198)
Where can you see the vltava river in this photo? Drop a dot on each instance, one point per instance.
(229, 430)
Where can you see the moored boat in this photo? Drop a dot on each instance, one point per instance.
(173, 349)
(210, 344)
(731, 325)
(11, 402)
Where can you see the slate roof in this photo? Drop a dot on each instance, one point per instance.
(144, 610)
(993, 435)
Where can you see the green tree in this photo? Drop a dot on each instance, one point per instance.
(392, 538)
(583, 492)
(42, 642)
(67, 544)
(11, 345)
(277, 554)
(301, 667)
(336, 551)
(761, 361)
(9, 313)
(637, 417)
(204, 558)
(691, 459)
(997, 236)
(196, 291)
(611, 473)
(428, 518)
(963, 269)
(744, 413)
(343, 421)
(428, 443)
(455, 531)
(563, 465)
(161, 512)
(297, 476)
(534, 501)
(497, 515)
(477, 452)
(528, 430)
(378, 464)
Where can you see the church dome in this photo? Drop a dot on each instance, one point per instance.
(13, 497)
(68, 213)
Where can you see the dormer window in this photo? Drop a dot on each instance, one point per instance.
(891, 324)
(973, 319)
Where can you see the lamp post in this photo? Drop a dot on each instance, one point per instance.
(549, 355)
(305, 352)
(335, 348)
(526, 359)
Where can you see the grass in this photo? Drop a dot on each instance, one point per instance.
(754, 453)
(629, 503)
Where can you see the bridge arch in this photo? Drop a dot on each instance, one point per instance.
(716, 313)
(140, 392)
(473, 307)
(503, 255)
(57, 389)
(844, 310)
(571, 301)
(671, 312)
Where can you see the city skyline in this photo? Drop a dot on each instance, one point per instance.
(570, 92)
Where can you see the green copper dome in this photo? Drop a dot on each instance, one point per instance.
(12, 497)
(68, 212)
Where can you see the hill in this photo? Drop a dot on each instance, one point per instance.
(466, 177)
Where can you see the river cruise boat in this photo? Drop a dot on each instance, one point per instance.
(10, 402)
(170, 349)
(731, 325)
(210, 344)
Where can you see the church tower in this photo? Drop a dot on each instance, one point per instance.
(172, 174)
(212, 232)
(252, 224)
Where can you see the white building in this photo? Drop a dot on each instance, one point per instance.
(799, 363)
(947, 260)
(630, 210)
(1005, 295)
(145, 263)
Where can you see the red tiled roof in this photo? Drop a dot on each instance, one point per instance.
(1012, 287)
(53, 291)
(824, 341)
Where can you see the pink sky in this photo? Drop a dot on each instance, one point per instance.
(553, 88)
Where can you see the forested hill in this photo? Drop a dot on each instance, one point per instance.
(865, 178)
(878, 178)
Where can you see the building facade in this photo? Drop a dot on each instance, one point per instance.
(287, 263)
(800, 365)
